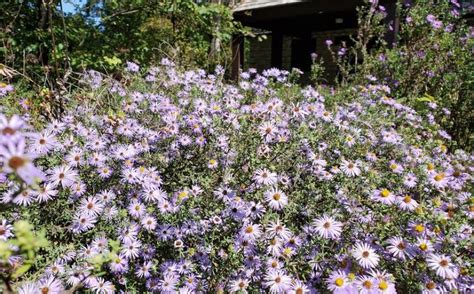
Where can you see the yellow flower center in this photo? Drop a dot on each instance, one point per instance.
(287, 251)
(423, 246)
(383, 285)
(419, 228)
(8, 131)
(351, 276)
(15, 162)
(439, 177)
(339, 282)
(407, 199)
(367, 284)
(385, 193)
(393, 166)
(431, 285)
(276, 196)
(182, 194)
(443, 263)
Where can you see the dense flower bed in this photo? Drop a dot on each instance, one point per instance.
(193, 185)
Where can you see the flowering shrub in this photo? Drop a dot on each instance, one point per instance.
(179, 182)
(431, 60)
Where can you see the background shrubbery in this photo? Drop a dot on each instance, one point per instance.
(430, 67)
(40, 40)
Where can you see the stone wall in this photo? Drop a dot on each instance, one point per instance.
(259, 53)
(286, 54)
(324, 53)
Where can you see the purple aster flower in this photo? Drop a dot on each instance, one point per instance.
(5, 89)
(119, 264)
(132, 67)
(430, 18)
(5, 230)
(63, 175)
(10, 128)
(16, 160)
(49, 285)
(437, 24)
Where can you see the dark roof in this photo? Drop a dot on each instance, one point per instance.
(245, 5)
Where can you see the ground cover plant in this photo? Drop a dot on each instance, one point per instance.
(173, 181)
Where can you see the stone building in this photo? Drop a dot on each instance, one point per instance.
(296, 28)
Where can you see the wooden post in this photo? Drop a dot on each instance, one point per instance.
(242, 51)
(237, 56)
(392, 19)
(277, 49)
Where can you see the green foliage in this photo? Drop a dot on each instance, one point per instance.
(41, 41)
(26, 244)
(430, 68)
(317, 71)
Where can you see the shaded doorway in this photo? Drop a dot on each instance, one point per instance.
(301, 49)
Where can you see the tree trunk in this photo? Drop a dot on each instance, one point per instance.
(43, 6)
(216, 41)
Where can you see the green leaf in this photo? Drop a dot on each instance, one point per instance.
(426, 98)
(112, 61)
(21, 270)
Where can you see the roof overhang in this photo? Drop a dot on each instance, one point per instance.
(292, 16)
(251, 5)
